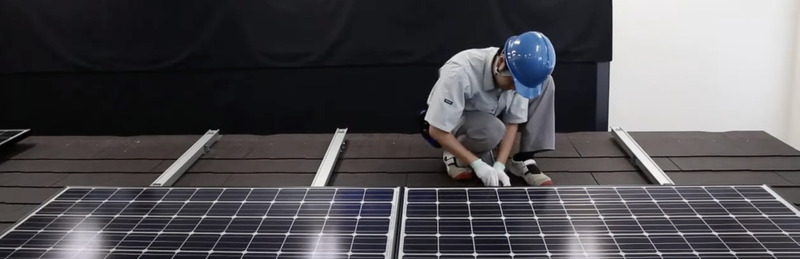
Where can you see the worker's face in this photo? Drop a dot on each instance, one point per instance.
(503, 77)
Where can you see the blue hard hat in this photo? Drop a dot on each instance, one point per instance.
(531, 58)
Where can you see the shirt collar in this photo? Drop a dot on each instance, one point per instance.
(488, 79)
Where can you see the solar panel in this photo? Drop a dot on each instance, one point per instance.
(598, 222)
(10, 136)
(356, 223)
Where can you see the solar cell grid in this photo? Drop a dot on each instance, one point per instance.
(598, 222)
(210, 222)
(559, 222)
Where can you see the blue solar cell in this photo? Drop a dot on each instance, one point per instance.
(182, 224)
(526, 226)
(664, 193)
(179, 194)
(385, 195)
(291, 195)
(168, 242)
(421, 210)
(213, 224)
(421, 196)
(266, 243)
(491, 245)
(259, 256)
(224, 209)
(83, 208)
(453, 210)
(125, 194)
(307, 225)
(340, 226)
(136, 241)
(166, 208)
(152, 224)
(372, 226)
(206, 195)
(283, 209)
(233, 242)
(253, 209)
(195, 209)
(376, 209)
(482, 195)
(488, 226)
(200, 242)
(454, 226)
(158, 255)
(345, 209)
(262, 195)
(189, 255)
(243, 225)
(152, 195)
(138, 208)
(369, 244)
(319, 195)
(452, 195)
(314, 209)
(234, 195)
(723, 193)
(57, 207)
(96, 195)
(27, 254)
(349, 195)
(513, 195)
(422, 226)
(45, 239)
(455, 245)
(74, 194)
(224, 255)
(571, 194)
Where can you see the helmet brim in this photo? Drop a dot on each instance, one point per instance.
(527, 91)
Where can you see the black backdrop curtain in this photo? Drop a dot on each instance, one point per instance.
(144, 60)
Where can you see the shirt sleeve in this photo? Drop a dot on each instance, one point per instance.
(447, 99)
(517, 112)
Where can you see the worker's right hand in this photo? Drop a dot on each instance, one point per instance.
(485, 172)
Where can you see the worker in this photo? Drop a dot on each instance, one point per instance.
(482, 98)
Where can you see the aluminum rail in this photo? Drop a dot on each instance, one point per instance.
(329, 160)
(640, 158)
(176, 170)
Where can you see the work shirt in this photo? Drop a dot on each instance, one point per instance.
(466, 84)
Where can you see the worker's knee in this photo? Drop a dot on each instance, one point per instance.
(483, 132)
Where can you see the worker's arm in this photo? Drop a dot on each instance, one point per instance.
(504, 150)
(451, 144)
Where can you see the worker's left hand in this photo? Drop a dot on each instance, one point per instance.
(500, 169)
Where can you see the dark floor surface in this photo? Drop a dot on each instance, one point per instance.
(37, 167)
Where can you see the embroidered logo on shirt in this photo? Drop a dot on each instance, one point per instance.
(448, 101)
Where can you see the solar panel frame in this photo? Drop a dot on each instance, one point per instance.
(402, 234)
(20, 134)
(389, 250)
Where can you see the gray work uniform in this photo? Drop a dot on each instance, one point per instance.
(464, 101)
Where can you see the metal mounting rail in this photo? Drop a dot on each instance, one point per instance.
(176, 170)
(640, 158)
(329, 160)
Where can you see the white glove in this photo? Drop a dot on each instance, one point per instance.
(502, 177)
(486, 173)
